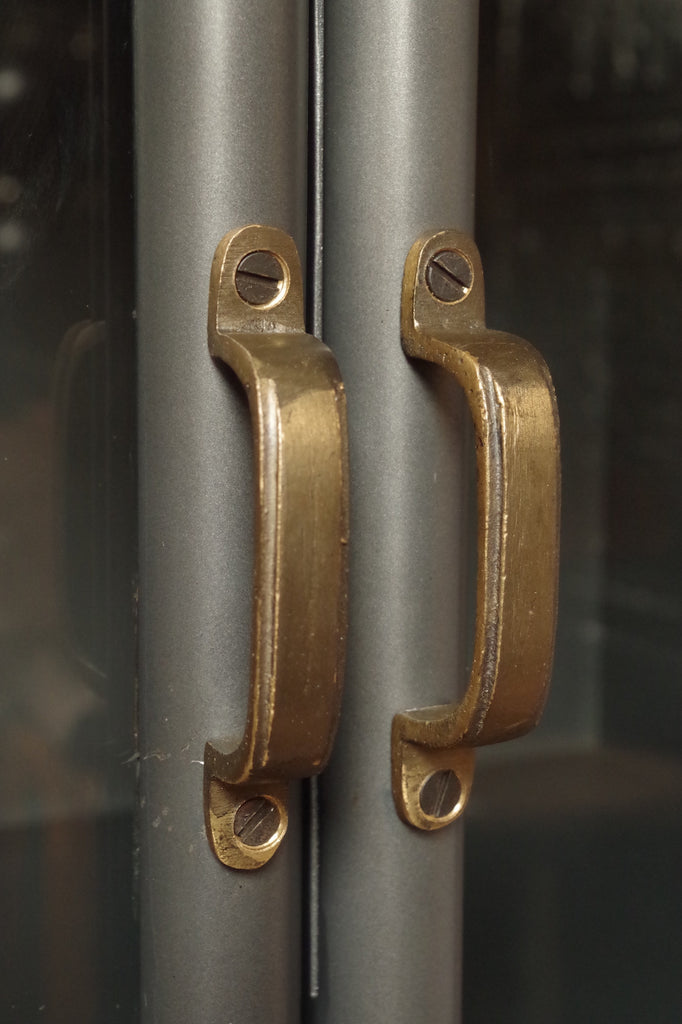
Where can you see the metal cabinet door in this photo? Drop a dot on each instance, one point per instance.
(229, 98)
(238, 119)
(233, 116)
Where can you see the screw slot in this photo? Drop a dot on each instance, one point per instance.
(261, 279)
(257, 821)
(449, 275)
(440, 793)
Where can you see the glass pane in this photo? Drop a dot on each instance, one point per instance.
(575, 834)
(67, 513)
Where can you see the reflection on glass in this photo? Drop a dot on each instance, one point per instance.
(67, 514)
(575, 838)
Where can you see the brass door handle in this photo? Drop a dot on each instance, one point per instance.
(298, 414)
(511, 399)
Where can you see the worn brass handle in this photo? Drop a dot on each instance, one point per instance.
(510, 395)
(298, 414)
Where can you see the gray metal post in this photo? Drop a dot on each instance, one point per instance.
(221, 97)
(400, 89)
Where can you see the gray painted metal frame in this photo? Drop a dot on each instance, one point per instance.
(221, 101)
(400, 94)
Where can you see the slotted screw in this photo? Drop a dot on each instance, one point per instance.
(256, 821)
(449, 275)
(260, 278)
(440, 793)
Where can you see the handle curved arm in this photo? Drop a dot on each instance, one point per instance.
(298, 414)
(512, 403)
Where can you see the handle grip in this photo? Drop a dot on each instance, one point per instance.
(513, 407)
(298, 414)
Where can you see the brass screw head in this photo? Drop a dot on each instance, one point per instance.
(440, 793)
(256, 821)
(449, 275)
(260, 279)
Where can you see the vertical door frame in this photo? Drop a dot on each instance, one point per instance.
(221, 136)
(400, 115)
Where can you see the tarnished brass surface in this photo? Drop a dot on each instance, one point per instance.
(512, 403)
(298, 414)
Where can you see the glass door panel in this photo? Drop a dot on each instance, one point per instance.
(580, 219)
(67, 514)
